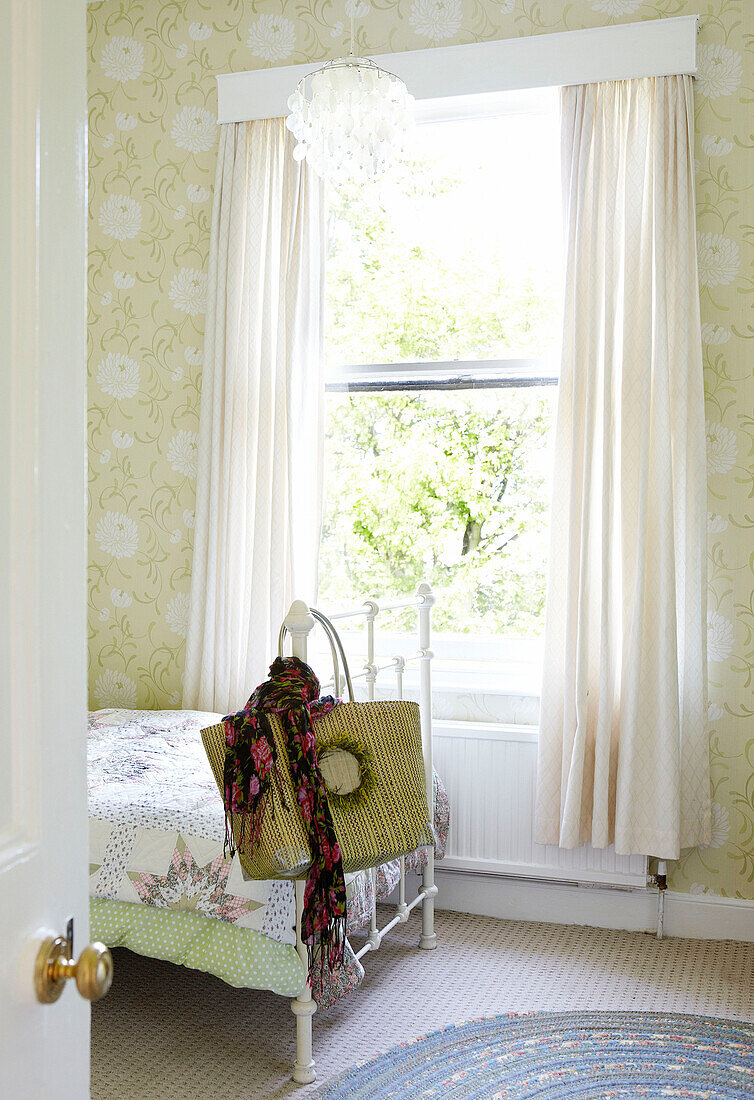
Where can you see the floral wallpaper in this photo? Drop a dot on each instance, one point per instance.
(153, 135)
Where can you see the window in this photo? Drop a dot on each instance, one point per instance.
(442, 327)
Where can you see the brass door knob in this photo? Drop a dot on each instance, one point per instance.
(93, 971)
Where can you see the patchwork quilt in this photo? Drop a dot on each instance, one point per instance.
(157, 831)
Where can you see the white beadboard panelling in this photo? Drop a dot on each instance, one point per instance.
(490, 773)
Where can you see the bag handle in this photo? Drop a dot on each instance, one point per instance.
(335, 640)
(336, 648)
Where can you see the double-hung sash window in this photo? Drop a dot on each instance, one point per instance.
(442, 343)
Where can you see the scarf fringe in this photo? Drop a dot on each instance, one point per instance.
(328, 949)
(249, 831)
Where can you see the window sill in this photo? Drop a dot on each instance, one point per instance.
(485, 731)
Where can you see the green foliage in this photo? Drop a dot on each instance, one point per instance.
(391, 299)
(440, 486)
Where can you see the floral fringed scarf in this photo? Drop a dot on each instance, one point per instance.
(292, 692)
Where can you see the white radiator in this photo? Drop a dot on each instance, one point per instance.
(489, 772)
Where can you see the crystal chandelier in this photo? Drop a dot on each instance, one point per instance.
(351, 119)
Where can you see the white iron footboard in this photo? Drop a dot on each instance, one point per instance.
(299, 624)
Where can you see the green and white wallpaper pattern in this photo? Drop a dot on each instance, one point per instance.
(153, 138)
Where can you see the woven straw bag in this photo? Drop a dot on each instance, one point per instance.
(371, 759)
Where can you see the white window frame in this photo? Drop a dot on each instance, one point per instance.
(458, 655)
(454, 374)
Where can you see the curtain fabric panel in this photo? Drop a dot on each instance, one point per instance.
(624, 752)
(259, 485)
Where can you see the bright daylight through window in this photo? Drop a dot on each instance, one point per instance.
(442, 326)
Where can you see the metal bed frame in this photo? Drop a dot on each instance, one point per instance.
(299, 623)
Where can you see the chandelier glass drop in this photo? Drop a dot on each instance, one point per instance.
(351, 119)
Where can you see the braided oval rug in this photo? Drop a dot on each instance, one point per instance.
(560, 1056)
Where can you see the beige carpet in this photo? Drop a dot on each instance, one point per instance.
(165, 1033)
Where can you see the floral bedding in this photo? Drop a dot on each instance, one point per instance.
(156, 840)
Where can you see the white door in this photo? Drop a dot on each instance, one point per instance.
(44, 1049)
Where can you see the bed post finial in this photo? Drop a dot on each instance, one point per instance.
(299, 623)
(425, 591)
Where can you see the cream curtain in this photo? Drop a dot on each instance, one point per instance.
(259, 485)
(623, 752)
